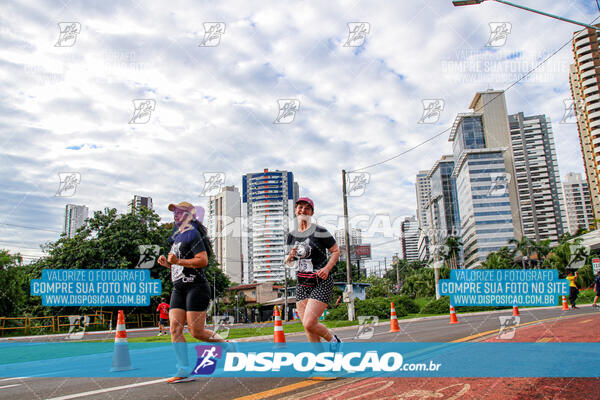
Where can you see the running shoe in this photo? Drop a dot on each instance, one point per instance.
(334, 347)
(180, 379)
(159, 334)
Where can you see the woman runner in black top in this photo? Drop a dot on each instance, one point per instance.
(191, 291)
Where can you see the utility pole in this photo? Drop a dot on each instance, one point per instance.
(384, 262)
(349, 289)
(214, 300)
(398, 274)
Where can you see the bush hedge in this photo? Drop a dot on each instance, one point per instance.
(379, 307)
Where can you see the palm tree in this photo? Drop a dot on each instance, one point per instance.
(542, 249)
(450, 251)
(523, 246)
(563, 256)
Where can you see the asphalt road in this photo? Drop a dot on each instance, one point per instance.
(470, 327)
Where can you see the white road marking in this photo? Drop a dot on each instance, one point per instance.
(7, 386)
(12, 379)
(110, 389)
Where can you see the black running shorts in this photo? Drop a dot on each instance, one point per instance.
(190, 297)
(321, 292)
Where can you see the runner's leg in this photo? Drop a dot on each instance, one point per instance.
(196, 321)
(177, 322)
(301, 305)
(314, 329)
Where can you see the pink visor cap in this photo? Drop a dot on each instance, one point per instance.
(306, 200)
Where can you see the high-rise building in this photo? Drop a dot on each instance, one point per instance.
(537, 177)
(75, 217)
(355, 237)
(443, 202)
(444, 218)
(585, 89)
(224, 228)
(487, 196)
(577, 201)
(423, 188)
(409, 237)
(268, 207)
(138, 202)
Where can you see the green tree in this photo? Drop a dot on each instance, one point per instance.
(380, 287)
(421, 283)
(108, 240)
(405, 268)
(524, 246)
(451, 250)
(565, 255)
(339, 274)
(14, 284)
(542, 249)
(501, 259)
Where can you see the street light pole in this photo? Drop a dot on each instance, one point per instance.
(508, 3)
(285, 308)
(237, 317)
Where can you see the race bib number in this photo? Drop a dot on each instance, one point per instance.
(305, 266)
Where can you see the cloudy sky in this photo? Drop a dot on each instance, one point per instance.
(68, 98)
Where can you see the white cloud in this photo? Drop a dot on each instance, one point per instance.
(215, 106)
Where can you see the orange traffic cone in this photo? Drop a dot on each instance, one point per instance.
(278, 335)
(565, 305)
(515, 311)
(394, 320)
(453, 319)
(121, 360)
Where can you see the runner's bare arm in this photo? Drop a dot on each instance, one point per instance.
(200, 260)
(162, 260)
(335, 256)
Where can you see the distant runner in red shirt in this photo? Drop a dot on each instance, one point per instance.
(163, 317)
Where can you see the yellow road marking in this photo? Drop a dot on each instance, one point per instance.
(478, 335)
(587, 320)
(544, 340)
(299, 385)
(278, 391)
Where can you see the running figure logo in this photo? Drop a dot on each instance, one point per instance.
(213, 181)
(68, 34)
(572, 109)
(508, 326)
(499, 32)
(357, 33)
(148, 254)
(212, 34)
(207, 359)
(68, 184)
(366, 326)
(432, 109)
(77, 325)
(287, 110)
(357, 183)
(142, 110)
(499, 186)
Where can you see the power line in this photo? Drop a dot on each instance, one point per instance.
(31, 227)
(480, 108)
